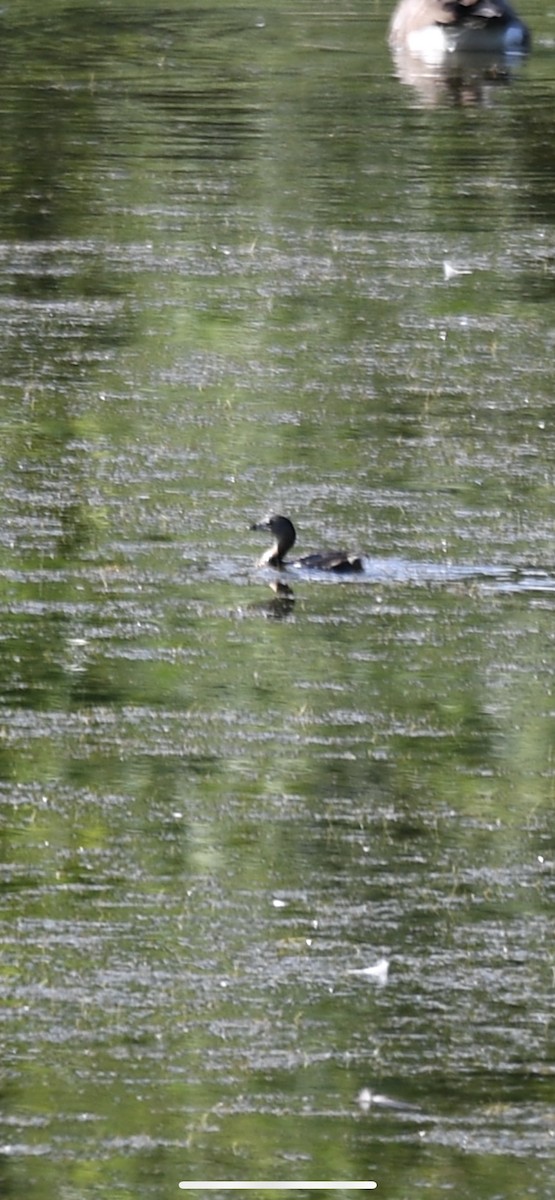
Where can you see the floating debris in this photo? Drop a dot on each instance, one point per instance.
(367, 1099)
(378, 973)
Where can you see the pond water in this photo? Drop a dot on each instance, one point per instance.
(247, 266)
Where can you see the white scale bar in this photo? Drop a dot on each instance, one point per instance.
(281, 1185)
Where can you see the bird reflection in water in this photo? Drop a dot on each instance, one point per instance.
(281, 605)
(463, 80)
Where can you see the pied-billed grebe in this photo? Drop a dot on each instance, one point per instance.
(285, 536)
(430, 28)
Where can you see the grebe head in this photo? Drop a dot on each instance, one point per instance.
(283, 531)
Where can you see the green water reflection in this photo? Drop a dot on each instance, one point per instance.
(244, 268)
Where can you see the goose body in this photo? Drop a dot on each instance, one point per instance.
(285, 536)
(430, 29)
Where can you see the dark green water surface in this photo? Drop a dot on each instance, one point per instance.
(245, 267)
